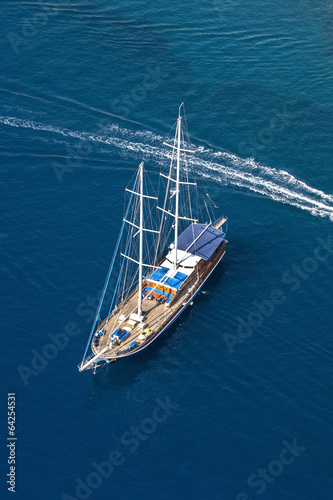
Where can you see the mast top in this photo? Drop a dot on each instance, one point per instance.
(180, 107)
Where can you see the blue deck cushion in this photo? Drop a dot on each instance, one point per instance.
(205, 245)
(158, 274)
(123, 335)
(176, 281)
(116, 333)
(133, 344)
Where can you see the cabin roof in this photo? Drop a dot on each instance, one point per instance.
(205, 245)
(186, 261)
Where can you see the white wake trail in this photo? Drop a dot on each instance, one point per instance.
(218, 166)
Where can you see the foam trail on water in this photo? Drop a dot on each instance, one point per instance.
(218, 166)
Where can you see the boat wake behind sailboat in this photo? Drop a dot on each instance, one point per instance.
(156, 279)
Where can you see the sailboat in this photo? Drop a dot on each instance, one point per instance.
(166, 250)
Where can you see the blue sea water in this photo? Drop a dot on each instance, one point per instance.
(88, 90)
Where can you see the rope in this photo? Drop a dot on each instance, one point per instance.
(108, 275)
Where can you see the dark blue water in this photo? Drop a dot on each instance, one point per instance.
(88, 90)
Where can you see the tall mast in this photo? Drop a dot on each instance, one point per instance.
(140, 231)
(141, 241)
(179, 124)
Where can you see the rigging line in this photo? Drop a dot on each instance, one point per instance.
(116, 287)
(107, 278)
(208, 212)
(129, 275)
(215, 206)
(126, 273)
(162, 220)
(128, 269)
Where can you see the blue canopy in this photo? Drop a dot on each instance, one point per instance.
(205, 245)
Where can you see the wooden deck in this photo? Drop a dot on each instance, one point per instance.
(156, 316)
